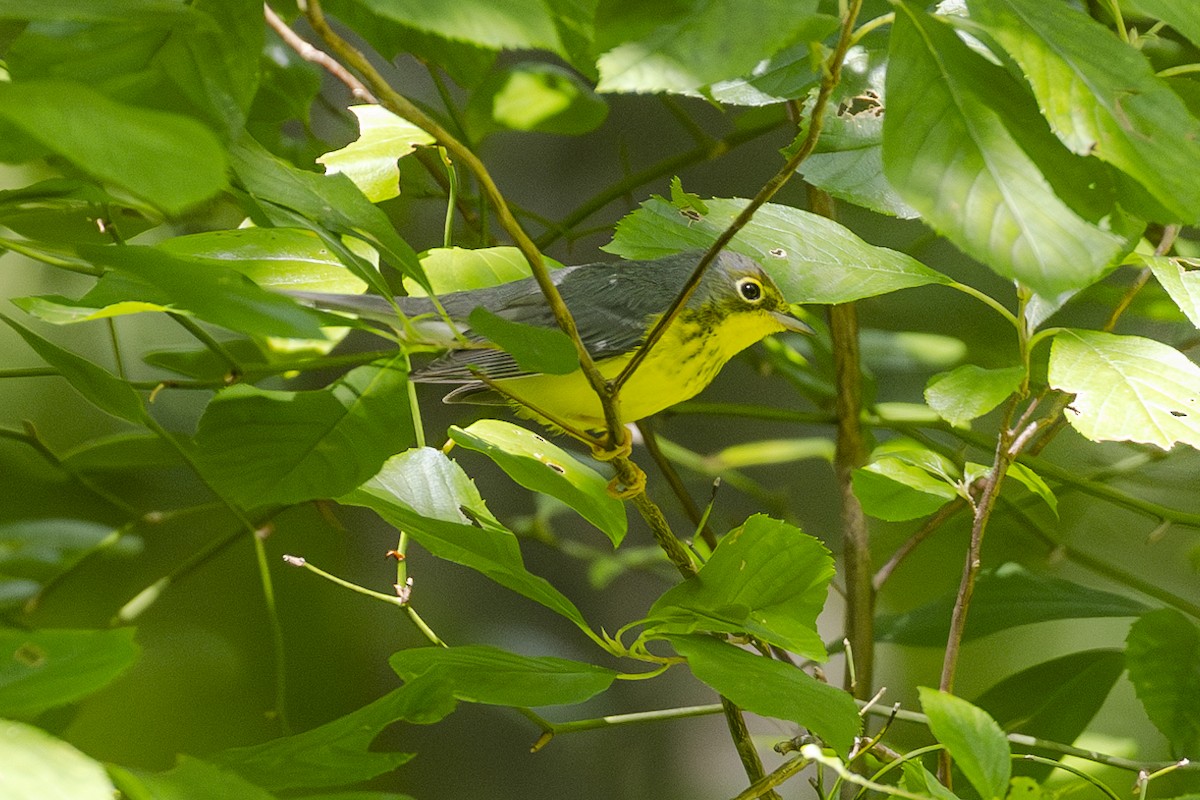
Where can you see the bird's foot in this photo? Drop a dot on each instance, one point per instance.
(628, 486)
(603, 450)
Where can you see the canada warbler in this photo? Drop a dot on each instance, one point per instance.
(614, 305)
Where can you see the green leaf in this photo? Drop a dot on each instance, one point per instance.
(813, 259)
(950, 150)
(772, 688)
(34, 551)
(543, 466)
(425, 494)
(262, 447)
(205, 365)
(848, 159)
(38, 766)
(765, 578)
(1004, 598)
(109, 394)
(787, 75)
(455, 269)
(1034, 483)
(1182, 15)
(335, 754)
(512, 25)
(51, 668)
(59, 310)
(1163, 654)
(277, 258)
(1101, 96)
(921, 781)
(893, 490)
(189, 779)
(532, 96)
(680, 47)
(482, 674)
(121, 452)
(1054, 700)
(534, 348)
(370, 160)
(330, 202)
(212, 292)
(968, 392)
(171, 161)
(973, 739)
(1127, 388)
(1181, 278)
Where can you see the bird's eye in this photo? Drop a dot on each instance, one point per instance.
(750, 289)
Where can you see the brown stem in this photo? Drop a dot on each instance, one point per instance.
(650, 440)
(936, 521)
(393, 101)
(317, 56)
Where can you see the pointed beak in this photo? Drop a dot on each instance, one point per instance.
(790, 323)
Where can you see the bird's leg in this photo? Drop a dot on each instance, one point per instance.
(630, 480)
(606, 450)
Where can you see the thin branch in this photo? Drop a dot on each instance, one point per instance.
(650, 440)
(668, 166)
(317, 56)
(832, 73)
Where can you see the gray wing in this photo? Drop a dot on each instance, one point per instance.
(611, 303)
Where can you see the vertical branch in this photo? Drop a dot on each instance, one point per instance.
(849, 454)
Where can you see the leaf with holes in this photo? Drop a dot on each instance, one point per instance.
(813, 259)
(950, 150)
(543, 466)
(1127, 388)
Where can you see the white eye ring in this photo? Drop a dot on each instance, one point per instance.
(750, 290)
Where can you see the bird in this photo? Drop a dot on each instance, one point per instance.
(615, 305)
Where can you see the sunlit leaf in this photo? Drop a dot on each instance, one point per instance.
(291, 197)
(848, 159)
(264, 446)
(1101, 96)
(973, 739)
(765, 578)
(457, 269)
(37, 766)
(1181, 278)
(535, 97)
(370, 160)
(1034, 483)
(894, 490)
(1163, 655)
(213, 292)
(787, 75)
(950, 150)
(534, 348)
(543, 466)
(1127, 388)
(277, 258)
(428, 496)
(169, 160)
(1182, 15)
(813, 259)
(968, 392)
(772, 688)
(512, 25)
(683, 46)
(1005, 598)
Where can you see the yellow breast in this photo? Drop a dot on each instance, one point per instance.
(685, 361)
